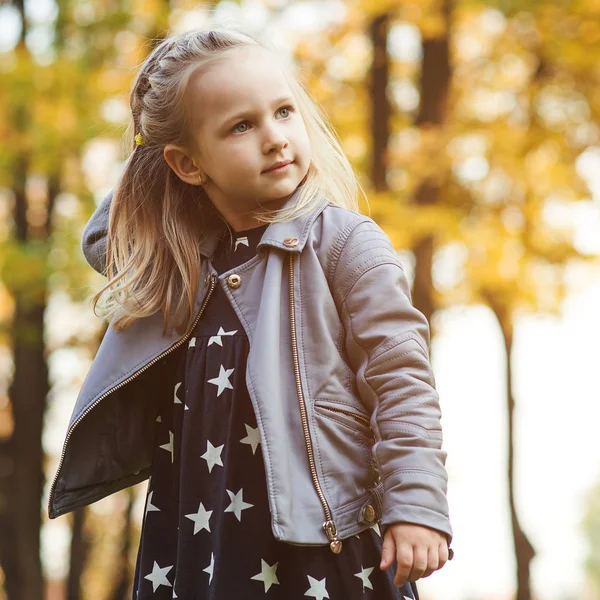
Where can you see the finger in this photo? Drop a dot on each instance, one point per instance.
(442, 554)
(433, 561)
(388, 551)
(404, 556)
(420, 558)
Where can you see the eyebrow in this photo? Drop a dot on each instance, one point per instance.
(248, 113)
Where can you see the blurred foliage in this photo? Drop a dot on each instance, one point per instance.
(524, 106)
(591, 529)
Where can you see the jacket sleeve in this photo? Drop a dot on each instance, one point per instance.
(93, 239)
(387, 345)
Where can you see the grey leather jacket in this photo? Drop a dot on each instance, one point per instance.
(338, 373)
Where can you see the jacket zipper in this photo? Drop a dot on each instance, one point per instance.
(358, 418)
(144, 368)
(335, 545)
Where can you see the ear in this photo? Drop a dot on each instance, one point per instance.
(184, 165)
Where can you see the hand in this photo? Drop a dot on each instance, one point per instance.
(419, 551)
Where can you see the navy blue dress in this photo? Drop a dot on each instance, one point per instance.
(206, 532)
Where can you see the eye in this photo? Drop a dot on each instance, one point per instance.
(290, 108)
(239, 125)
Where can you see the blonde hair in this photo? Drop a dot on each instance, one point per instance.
(156, 220)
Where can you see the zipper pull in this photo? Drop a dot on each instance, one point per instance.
(335, 545)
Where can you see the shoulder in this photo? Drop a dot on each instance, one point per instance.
(352, 242)
(345, 225)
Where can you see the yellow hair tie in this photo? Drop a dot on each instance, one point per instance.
(139, 140)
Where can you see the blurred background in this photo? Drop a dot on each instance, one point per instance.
(475, 129)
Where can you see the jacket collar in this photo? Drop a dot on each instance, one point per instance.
(288, 235)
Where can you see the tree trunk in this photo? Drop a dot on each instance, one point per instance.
(123, 577)
(434, 85)
(28, 392)
(380, 106)
(79, 552)
(524, 551)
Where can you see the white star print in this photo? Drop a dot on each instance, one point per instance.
(210, 567)
(158, 576)
(376, 528)
(149, 506)
(200, 519)
(176, 400)
(364, 577)
(237, 504)
(407, 598)
(242, 240)
(222, 381)
(317, 588)
(192, 343)
(217, 338)
(253, 437)
(266, 575)
(169, 445)
(158, 419)
(212, 456)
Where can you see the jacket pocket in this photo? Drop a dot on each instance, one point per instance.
(346, 414)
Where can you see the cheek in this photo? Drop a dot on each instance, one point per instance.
(304, 146)
(235, 157)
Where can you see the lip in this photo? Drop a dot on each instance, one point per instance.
(279, 166)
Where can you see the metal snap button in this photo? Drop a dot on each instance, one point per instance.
(234, 281)
(291, 242)
(369, 513)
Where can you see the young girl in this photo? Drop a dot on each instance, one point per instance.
(264, 367)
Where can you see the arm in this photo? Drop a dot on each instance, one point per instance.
(93, 239)
(387, 344)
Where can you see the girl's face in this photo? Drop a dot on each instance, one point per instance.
(246, 120)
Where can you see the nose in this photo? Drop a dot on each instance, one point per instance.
(275, 138)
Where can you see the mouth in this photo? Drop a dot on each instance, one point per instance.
(279, 167)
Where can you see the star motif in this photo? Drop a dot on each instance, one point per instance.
(266, 575)
(158, 419)
(149, 506)
(158, 576)
(252, 438)
(176, 400)
(407, 597)
(222, 381)
(317, 588)
(169, 445)
(376, 528)
(242, 240)
(192, 343)
(212, 456)
(217, 338)
(210, 567)
(364, 577)
(200, 519)
(237, 504)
